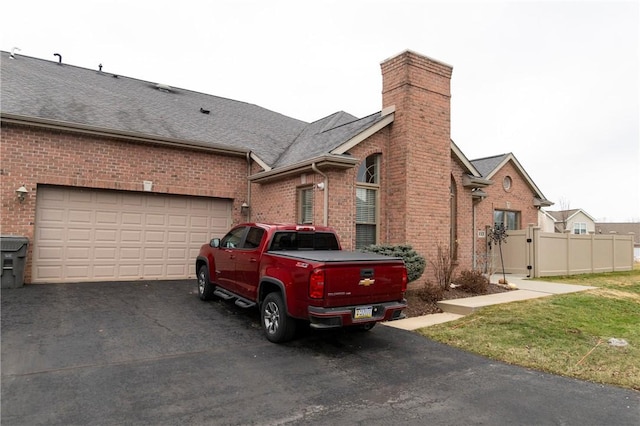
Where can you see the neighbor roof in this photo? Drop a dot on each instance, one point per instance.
(69, 95)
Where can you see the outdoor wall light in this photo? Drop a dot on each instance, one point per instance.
(244, 208)
(22, 193)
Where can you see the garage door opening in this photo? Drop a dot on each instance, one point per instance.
(86, 234)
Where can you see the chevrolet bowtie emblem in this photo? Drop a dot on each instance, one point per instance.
(366, 282)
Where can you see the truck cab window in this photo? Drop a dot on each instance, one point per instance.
(233, 239)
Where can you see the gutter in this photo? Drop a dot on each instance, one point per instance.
(334, 161)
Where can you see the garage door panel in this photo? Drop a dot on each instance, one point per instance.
(155, 220)
(153, 270)
(78, 234)
(50, 234)
(79, 253)
(77, 272)
(106, 217)
(132, 219)
(177, 237)
(80, 216)
(49, 253)
(154, 237)
(80, 196)
(105, 253)
(177, 271)
(106, 235)
(52, 215)
(177, 220)
(128, 272)
(94, 235)
(130, 254)
(50, 272)
(156, 202)
(127, 235)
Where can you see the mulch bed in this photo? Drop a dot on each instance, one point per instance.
(418, 307)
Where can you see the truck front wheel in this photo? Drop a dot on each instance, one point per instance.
(277, 325)
(205, 288)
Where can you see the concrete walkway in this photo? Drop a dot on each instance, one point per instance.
(457, 308)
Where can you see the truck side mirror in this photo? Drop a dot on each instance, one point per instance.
(215, 243)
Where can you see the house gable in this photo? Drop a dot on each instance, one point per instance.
(490, 166)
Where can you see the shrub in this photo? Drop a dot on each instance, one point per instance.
(472, 281)
(430, 292)
(413, 261)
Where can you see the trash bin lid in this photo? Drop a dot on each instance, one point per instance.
(12, 243)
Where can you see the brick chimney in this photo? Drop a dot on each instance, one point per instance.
(418, 169)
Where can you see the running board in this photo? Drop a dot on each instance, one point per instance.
(227, 295)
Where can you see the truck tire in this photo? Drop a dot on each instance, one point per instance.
(205, 288)
(277, 325)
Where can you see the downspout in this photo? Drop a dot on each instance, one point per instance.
(473, 231)
(248, 186)
(325, 213)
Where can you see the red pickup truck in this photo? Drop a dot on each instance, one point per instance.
(296, 273)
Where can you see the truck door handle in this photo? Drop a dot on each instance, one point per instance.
(253, 259)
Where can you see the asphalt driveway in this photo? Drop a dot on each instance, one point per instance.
(153, 353)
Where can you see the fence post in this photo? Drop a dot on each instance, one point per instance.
(535, 256)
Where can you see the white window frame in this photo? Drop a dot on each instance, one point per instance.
(369, 181)
(580, 228)
(305, 205)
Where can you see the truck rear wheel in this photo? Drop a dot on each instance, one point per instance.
(205, 288)
(277, 325)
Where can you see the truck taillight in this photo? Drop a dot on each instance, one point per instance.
(316, 284)
(404, 280)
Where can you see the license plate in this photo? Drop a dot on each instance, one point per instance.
(365, 312)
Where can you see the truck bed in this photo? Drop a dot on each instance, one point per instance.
(331, 256)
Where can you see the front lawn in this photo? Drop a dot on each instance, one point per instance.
(564, 334)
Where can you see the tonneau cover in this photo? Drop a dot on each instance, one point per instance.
(329, 256)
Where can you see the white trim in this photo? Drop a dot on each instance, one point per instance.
(261, 163)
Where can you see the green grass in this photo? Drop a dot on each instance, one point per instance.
(564, 334)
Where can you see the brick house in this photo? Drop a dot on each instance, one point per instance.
(127, 178)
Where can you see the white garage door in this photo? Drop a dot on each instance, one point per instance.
(95, 235)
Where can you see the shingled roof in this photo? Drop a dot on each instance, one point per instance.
(489, 166)
(61, 93)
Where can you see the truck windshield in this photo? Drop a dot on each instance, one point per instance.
(296, 240)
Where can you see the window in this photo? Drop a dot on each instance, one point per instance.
(254, 238)
(305, 205)
(580, 228)
(298, 240)
(506, 183)
(367, 201)
(509, 219)
(233, 238)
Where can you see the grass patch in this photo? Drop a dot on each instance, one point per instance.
(564, 334)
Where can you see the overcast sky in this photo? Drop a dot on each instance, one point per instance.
(555, 83)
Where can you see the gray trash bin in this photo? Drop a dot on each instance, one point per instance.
(13, 256)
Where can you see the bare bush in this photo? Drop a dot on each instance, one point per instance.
(443, 267)
(473, 282)
(430, 292)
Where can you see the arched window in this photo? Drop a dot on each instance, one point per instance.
(367, 188)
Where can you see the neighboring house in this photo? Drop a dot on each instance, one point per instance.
(127, 178)
(622, 228)
(575, 221)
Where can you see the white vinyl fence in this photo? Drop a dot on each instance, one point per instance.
(538, 254)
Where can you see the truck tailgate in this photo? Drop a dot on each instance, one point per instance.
(362, 283)
(356, 278)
